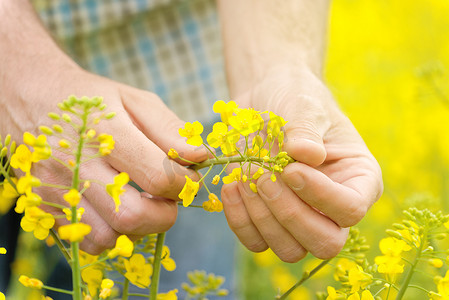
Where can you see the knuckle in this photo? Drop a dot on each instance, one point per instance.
(291, 254)
(289, 217)
(102, 238)
(262, 217)
(329, 247)
(256, 246)
(157, 183)
(353, 216)
(128, 220)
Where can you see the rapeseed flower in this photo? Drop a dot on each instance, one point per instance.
(74, 232)
(28, 200)
(225, 110)
(358, 279)
(26, 183)
(216, 179)
(42, 149)
(138, 271)
(192, 131)
(170, 295)
(8, 195)
(37, 221)
(246, 121)
(213, 204)
(123, 247)
(168, 262)
(106, 286)
(189, 191)
(31, 282)
(236, 175)
(172, 153)
(107, 144)
(275, 124)
(116, 189)
(22, 159)
(68, 213)
(72, 197)
(92, 277)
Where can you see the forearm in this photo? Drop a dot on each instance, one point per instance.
(30, 62)
(260, 35)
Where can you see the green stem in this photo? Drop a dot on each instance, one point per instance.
(126, 289)
(303, 279)
(57, 290)
(60, 245)
(234, 159)
(76, 270)
(412, 268)
(157, 266)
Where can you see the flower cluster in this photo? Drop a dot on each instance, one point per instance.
(244, 138)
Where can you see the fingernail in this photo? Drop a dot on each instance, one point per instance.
(295, 181)
(269, 189)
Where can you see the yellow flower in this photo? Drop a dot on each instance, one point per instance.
(332, 294)
(168, 262)
(216, 179)
(68, 213)
(22, 159)
(27, 182)
(225, 110)
(171, 295)
(138, 271)
(442, 286)
(28, 200)
(37, 221)
(213, 204)
(236, 175)
(40, 146)
(342, 268)
(358, 279)
(246, 121)
(2, 250)
(221, 137)
(189, 191)
(31, 282)
(253, 187)
(106, 144)
(172, 153)
(123, 247)
(258, 173)
(192, 132)
(436, 262)
(8, 195)
(72, 197)
(74, 232)
(2, 296)
(116, 189)
(106, 286)
(275, 124)
(92, 277)
(390, 263)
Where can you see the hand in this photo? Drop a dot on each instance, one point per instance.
(144, 129)
(330, 187)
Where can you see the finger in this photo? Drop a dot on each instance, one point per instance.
(316, 233)
(239, 220)
(145, 162)
(346, 202)
(286, 247)
(159, 123)
(304, 130)
(139, 213)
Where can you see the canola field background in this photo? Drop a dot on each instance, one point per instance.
(388, 67)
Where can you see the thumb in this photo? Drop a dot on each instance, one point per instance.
(159, 123)
(304, 133)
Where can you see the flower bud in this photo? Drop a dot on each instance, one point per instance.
(46, 130)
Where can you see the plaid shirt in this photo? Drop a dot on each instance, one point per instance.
(169, 47)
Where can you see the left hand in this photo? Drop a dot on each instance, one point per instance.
(331, 186)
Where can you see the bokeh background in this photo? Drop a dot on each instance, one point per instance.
(387, 66)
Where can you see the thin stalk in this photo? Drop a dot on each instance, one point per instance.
(57, 290)
(412, 268)
(303, 279)
(76, 270)
(60, 245)
(157, 266)
(234, 159)
(126, 289)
